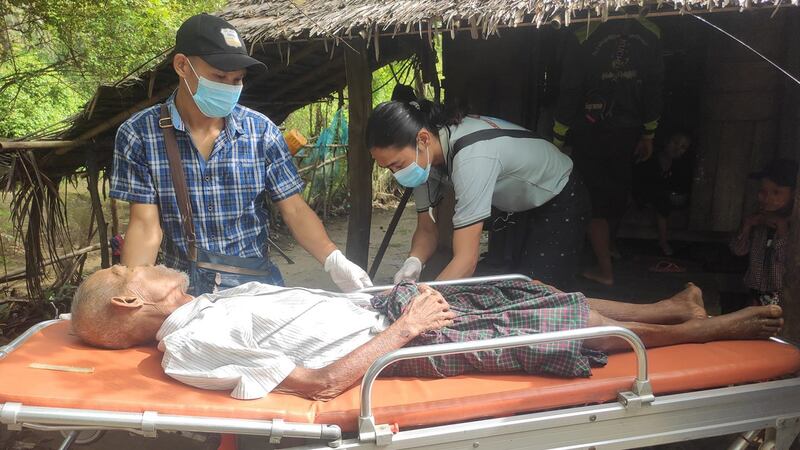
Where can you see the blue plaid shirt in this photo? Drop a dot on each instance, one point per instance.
(249, 160)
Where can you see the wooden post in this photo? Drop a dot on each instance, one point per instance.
(791, 294)
(359, 162)
(790, 128)
(114, 217)
(97, 207)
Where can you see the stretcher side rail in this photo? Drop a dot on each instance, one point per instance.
(472, 280)
(148, 423)
(641, 392)
(5, 350)
(774, 405)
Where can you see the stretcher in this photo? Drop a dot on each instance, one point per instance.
(51, 381)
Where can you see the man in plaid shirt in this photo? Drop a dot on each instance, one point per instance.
(256, 338)
(234, 159)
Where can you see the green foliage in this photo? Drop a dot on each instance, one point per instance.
(54, 53)
(311, 119)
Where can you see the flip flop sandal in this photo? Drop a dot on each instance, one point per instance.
(667, 267)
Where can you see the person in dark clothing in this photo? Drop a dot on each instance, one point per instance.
(663, 182)
(609, 104)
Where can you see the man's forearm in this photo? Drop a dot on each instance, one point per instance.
(141, 245)
(307, 229)
(332, 380)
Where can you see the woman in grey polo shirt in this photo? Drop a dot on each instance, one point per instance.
(491, 164)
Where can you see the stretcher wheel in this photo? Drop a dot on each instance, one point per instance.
(86, 437)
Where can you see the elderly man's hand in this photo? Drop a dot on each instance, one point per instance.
(427, 311)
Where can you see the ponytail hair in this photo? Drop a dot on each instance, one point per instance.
(396, 123)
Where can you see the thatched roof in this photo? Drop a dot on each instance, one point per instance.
(291, 20)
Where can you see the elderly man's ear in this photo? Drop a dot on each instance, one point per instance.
(128, 302)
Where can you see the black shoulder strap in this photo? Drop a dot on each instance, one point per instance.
(487, 135)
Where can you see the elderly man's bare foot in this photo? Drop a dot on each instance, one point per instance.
(754, 322)
(687, 304)
(595, 275)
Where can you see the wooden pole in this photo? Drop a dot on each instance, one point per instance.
(20, 273)
(305, 169)
(791, 294)
(97, 207)
(359, 162)
(114, 217)
(9, 146)
(387, 238)
(790, 125)
(120, 117)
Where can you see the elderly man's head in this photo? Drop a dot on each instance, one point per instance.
(121, 307)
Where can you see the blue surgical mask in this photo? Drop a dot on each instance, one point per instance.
(413, 175)
(214, 99)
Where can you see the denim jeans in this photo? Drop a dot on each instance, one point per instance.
(203, 280)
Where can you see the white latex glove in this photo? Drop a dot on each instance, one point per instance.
(410, 270)
(346, 274)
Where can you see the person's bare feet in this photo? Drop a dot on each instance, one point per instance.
(754, 322)
(595, 275)
(688, 304)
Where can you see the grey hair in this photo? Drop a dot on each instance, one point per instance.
(95, 320)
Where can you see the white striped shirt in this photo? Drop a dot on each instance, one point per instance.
(249, 338)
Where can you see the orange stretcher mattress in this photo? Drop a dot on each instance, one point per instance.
(132, 381)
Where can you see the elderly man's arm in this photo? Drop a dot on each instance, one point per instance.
(428, 311)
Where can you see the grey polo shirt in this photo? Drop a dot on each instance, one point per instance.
(511, 174)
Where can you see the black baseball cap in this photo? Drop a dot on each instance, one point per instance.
(215, 41)
(781, 171)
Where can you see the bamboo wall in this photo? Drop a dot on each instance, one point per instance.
(741, 110)
(741, 116)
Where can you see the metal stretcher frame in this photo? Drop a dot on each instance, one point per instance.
(637, 419)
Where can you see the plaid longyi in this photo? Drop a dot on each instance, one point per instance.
(491, 310)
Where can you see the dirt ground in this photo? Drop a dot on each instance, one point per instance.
(634, 283)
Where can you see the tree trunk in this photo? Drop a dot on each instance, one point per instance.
(359, 162)
(97, 207)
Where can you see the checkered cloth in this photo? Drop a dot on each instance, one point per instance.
(249, 161)
(768, 258)
(490, 310)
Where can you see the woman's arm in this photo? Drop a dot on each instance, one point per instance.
(466, 250)
(425, 239)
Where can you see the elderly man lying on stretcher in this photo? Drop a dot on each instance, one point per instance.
(256, 338)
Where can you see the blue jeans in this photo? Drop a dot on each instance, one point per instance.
(204, 280)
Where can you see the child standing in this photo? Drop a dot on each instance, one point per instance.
(764, 234)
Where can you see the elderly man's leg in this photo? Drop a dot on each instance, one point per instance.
(755, 322)
(681, 307)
